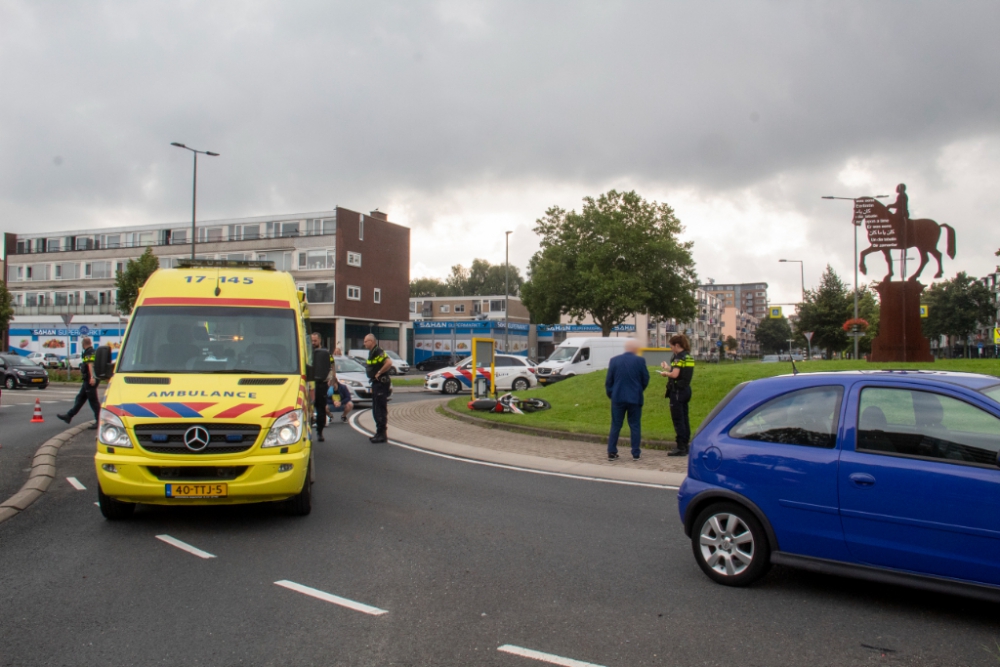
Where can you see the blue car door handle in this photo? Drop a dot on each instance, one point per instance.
(862, 479)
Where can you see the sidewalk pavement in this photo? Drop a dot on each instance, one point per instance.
(419, 424)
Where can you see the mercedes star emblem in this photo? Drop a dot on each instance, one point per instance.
(196, 438)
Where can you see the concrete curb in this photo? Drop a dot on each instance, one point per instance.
(548, 433)
(527, 461)
(43, 471)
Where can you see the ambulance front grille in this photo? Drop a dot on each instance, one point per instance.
(168, 438)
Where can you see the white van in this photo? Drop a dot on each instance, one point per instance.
(576, 356)
(399, 365)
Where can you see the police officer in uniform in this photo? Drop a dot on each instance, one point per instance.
(88, 391)
(321, 369)
(680, 371)
(378, 367)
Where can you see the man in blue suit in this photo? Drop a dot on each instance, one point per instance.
(627, 379)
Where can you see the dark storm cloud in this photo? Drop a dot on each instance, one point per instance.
(318, 104)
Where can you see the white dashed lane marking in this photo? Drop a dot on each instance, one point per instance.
(184, 546)
(75, 483)
(328, 597)
(544, 657)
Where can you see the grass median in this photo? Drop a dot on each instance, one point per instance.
(579, 405)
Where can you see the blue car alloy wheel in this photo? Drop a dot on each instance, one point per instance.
(730, 545)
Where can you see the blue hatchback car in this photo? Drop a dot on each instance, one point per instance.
(885, 475)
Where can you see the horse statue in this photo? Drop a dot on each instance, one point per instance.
(886, 232)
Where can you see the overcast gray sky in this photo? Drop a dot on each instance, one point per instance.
(464, 119)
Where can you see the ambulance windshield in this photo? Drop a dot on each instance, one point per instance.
(200, 339)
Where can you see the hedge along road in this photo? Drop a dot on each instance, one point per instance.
(579, 404)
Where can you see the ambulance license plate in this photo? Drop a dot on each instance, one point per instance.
(197, 490)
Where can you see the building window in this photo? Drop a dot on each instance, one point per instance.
(320, 292)
(378, 295)
(179, 236)
(496, 306)
(445, 308)
(314, 260)
(353, 293)
(361, 228)
(354, 259)
(460, 308)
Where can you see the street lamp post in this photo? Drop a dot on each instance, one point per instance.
(506, 293)
(856, 224)
(194, 189)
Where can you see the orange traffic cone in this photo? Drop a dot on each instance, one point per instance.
(37, 417)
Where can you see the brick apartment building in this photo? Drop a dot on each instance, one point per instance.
(751, 298)
(354, 269)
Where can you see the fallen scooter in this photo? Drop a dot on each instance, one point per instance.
(510, 404)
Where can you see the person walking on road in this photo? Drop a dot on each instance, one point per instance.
(88, 390)
(626, 381)
(378, 367)
(679, 372)
(321, 369)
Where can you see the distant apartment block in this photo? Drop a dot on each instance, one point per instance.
(751, 298)
(460, 308)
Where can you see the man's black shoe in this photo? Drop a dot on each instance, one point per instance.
(320, 437)
(343, 418)
(612, 457)
(65, 418)
(378, 438)
(677, 451)
(636, 458)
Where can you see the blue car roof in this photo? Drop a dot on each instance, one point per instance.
(974, 381)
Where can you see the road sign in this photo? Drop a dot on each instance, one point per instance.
(84, 330)
(775, 312)
(808, 335)
(923, 311)
(718, 343)
(996, 336)
(66, 319)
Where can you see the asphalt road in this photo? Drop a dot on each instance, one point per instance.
(462, 558)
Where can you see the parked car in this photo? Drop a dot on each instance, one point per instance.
(399, 365)
(437, 362)
(886, 475)
(74, 361)
(353, 374)
(52, 360)
(513, 373)
(17, 371)
(37, 357)
(577, 356)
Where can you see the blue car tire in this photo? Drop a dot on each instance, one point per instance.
(730, 544)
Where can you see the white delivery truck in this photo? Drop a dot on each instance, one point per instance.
(576, 356)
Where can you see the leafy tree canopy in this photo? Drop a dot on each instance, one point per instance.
(6, 307)
(131, 280)
(480, 279)
(957, 307)
(824, 312)
(773, 335)
(619, 256)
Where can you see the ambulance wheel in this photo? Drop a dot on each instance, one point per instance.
(451, 386)
(114, 510)
(301, 504)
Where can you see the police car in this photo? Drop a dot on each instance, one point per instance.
(514, 373)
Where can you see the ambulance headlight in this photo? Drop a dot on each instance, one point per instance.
(287, 430)
(111, 431)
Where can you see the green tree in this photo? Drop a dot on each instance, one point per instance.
(131, 280)
(619, 256)
(6, 309)
(957, 307)
(773, 335)
(869, 310)
(481, 279)
(428, 287)
(824, 312)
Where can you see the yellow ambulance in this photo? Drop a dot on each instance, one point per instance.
(209, 403)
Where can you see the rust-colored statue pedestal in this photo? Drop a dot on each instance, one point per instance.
(900, 337)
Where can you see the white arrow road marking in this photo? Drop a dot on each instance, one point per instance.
(544, 657)
(328, 597)
(76, 484)
(184, 546)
